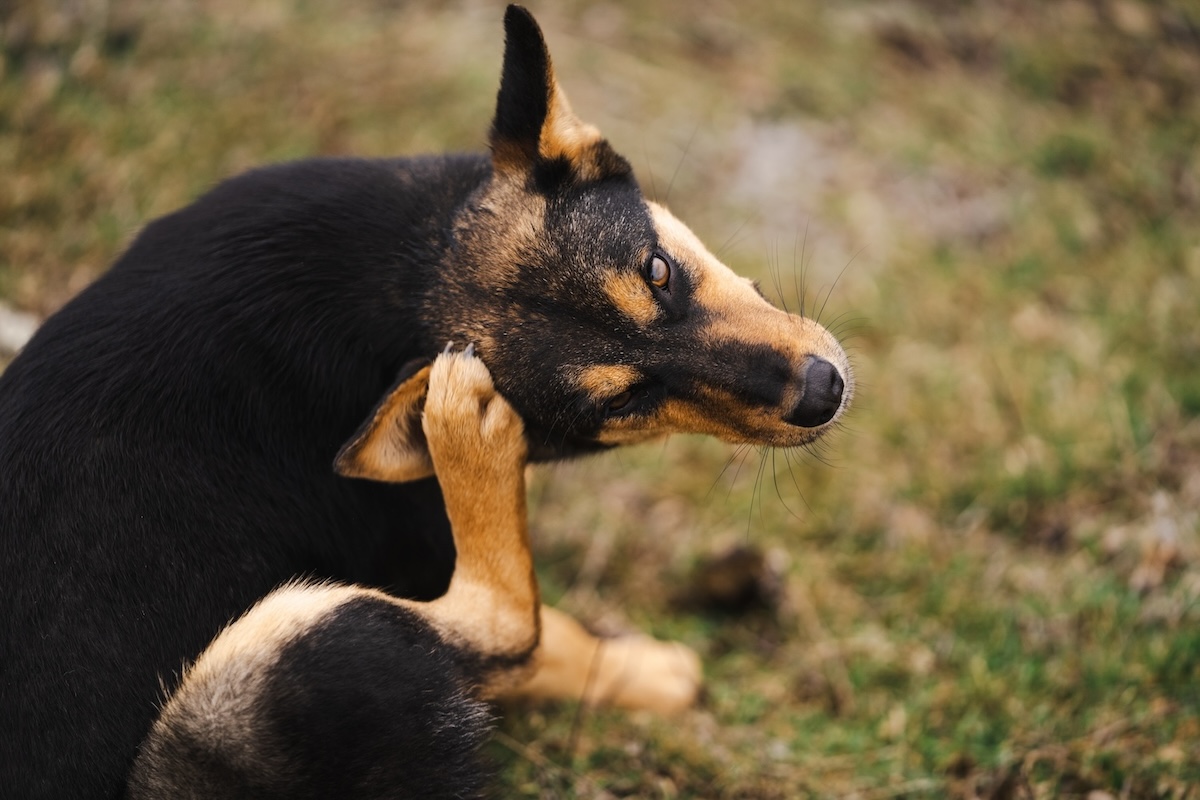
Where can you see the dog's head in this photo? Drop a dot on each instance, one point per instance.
(601, 317)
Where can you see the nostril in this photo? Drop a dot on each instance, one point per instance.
(822, 394)
(836, 386)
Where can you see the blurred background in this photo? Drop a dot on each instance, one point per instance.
(987, 584)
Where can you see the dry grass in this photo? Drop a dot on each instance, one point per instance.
(988, 585)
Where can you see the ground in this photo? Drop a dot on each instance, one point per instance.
(987, 584)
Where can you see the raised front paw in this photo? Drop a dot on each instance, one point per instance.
(474, 435)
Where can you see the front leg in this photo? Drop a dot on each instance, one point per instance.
(633, 672)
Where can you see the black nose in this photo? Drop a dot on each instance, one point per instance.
(822, 395)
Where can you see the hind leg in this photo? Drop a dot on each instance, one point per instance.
(319, 691)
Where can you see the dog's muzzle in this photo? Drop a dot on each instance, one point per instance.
(821, 397)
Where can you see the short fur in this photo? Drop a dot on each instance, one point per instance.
(166, 439)
(326, 690)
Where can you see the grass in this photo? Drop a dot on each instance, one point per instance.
(988, 584)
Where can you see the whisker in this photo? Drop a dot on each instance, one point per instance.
(835, 282)
(741, 462)
(683, 157)
(846, 328)
(787, 456)
(566, 429)
(589, 681)
(814, 449)
(736, 452)
(779, 494)
(756, 491)
(720, 251)
(776, 273)
(801, 288)
(649, 171)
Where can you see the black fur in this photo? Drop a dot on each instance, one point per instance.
(524, 97)
(166, 443)
(369, 703)
(167, 438)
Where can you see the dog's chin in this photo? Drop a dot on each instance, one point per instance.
(544, 448)
(783, 437)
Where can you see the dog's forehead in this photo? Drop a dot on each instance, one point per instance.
(611, 215)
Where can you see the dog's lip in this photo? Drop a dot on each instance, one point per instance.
(554, 448)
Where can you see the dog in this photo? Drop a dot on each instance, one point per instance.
(199, 437)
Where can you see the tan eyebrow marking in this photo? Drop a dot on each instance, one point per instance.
(629, 293)
(604, 380)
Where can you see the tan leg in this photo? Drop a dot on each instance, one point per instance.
(477, 450)
(479, 456)
(634, 672)
(477, 444)
(474, 442)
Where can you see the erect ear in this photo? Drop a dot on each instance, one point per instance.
(534, 125)
(390, 446)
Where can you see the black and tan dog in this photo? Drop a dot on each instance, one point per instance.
(166, 443)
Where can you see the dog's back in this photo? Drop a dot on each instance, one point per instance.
(139, 410)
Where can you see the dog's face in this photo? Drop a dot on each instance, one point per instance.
(611, 323)
(601, 317)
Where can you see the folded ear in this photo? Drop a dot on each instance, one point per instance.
(390, 446)
(534, 125)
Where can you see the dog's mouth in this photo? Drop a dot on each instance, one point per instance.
(811, 404)
(552, 446)
(793, 411)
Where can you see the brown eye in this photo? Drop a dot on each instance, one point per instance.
(659, 272)
(619, 402)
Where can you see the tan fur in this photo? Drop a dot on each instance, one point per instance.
(628, 292)
(477, 445)
(478, 448)
(739, 312)
(603, 381)
(736, 313)
(448, 420)
(392, 446)
(218, 698)
(634, 672)
(473, 441)
(508, 222)
(565, 136)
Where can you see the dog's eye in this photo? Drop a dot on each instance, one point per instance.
(659, 271)
(619, 403)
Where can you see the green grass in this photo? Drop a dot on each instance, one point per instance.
(1000, 204)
